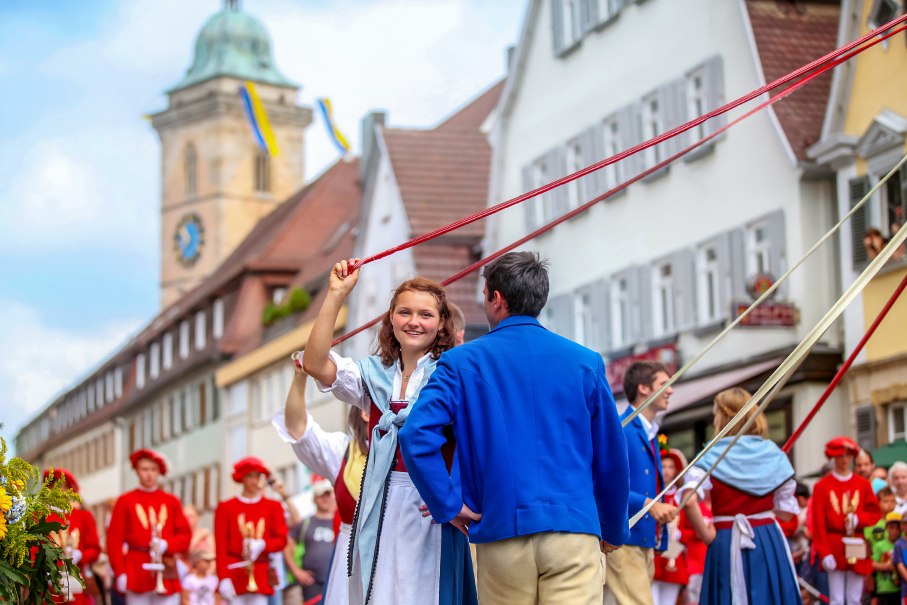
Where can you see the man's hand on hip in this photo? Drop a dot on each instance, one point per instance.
(607, 548)
(464, 518)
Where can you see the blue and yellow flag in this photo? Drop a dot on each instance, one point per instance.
(324, 106)
(258, 119)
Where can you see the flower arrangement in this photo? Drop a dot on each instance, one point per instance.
(32, 562)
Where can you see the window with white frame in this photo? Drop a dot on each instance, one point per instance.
(278, 294)
(583, 314)
(612, 145)
(652, 126)
(570, 32)
(575, 193)
(882, 12)
(167, 344)
(696, 101)
(108, 386)
(620, 312)
(539, 178)
(184, 339)
(759, 245)
(663, 298)
(709, 283)
(118, 382)
(896, 422)
(200, 330)
(217, 330)
(154, 365)
(895, 204)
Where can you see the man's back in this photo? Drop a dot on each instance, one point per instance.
(538, 437)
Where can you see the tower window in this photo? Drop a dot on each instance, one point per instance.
(191, 170)
(262, 172)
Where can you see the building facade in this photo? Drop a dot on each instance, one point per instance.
(864, 136)
(658, 270)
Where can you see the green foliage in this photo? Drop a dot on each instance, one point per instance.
(297, 301)
(31, 561)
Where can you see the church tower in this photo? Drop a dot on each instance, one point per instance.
(216, 181)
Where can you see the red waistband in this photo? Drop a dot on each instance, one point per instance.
(753, 523)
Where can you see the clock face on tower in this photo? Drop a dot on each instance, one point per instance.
(189, 239)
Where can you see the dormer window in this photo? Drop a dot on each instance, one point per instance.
(882, 12)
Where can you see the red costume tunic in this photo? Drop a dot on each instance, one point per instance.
(130, 530)
(676, 573)
(833, 498)
(447, 450)
(82, 534)
(229, 539)
(696, 548)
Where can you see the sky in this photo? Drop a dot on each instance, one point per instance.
(80, 166)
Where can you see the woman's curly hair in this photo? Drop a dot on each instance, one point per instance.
(388, 347)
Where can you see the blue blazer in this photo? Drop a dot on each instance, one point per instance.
(539, 441)
(645, 470)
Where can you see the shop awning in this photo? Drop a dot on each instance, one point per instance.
(891, 453)
(705, 388)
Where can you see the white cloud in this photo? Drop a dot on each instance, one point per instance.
(38, 361)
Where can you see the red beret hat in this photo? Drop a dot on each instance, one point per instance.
(152, 455)
(247, 465)
(680, 461)
(62, 473)
(840, 446)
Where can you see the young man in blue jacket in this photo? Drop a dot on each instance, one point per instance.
(630, 571)
(544, 477)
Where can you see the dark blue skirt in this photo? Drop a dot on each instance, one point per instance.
(457, 582)
(768, 570)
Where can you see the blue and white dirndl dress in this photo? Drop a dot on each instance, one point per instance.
(397, 555)
(749, 562)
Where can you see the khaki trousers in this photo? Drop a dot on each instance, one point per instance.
(546, 568)
(630, 570)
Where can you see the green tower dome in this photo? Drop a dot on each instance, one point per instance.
(235, 44)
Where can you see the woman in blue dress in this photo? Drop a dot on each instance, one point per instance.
(397, 555)
(749, 562)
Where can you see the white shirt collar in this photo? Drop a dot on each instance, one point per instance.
(148, 490)
(245, 500)
(842, 477)
(651, 428)
(415, 378)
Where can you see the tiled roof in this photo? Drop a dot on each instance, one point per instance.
(789, 35)
(443, 176)
(471, 117)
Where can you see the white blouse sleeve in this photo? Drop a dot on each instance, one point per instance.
(694, 474)
(320, 451)
(347, 386)
(785, 500)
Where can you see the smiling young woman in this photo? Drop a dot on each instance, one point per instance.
(397, 555)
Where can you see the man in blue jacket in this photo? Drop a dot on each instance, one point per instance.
(630, 571)
(542, 457)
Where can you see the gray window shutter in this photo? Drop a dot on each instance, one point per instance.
(557, 28)
(629, 121)
(683, 267)
(588, 13)
(589, 187)
(562, 315)
(739, 277)
(557, 198)
(859, 187)
(640, 285)
(866, 427)
(777, 254)
(529, 206)
(726, 276)
(673, 99)
(714, 86)
(601, 315)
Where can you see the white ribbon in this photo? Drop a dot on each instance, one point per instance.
(742, 535)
